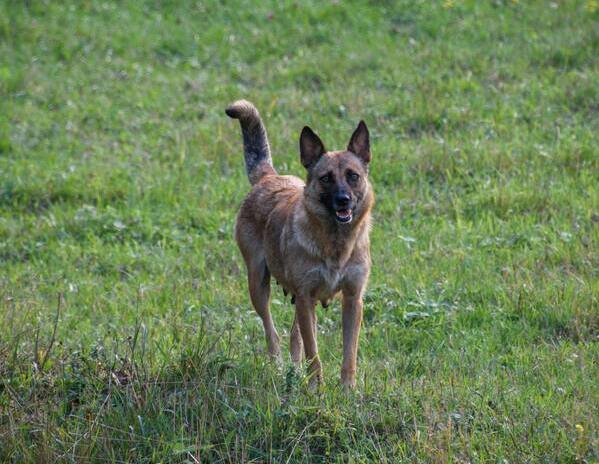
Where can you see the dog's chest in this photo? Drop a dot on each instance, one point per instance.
(326, 279)
(313, 267)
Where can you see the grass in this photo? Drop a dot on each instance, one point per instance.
(126, 329)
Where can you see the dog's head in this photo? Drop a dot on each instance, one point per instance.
(337, 187)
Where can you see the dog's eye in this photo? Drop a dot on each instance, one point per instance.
(353, 176)
(325, 179)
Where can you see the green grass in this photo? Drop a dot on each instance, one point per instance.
(120, 177)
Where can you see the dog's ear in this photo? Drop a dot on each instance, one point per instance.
(359, 144)
(311, 147)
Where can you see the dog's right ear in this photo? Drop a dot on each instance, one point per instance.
(311, 147)
(359, 143)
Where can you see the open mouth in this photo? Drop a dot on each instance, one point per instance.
(343, 215)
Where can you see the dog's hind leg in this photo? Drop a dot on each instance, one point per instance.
(296, 346)
(259, 284)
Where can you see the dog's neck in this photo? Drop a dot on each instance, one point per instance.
(328, 239)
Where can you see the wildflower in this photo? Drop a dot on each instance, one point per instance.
(448, 4)
(580, 428)
(592, 6)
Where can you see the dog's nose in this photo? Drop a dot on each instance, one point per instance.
(342, 199)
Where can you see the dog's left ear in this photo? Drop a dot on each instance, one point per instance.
(359, 144)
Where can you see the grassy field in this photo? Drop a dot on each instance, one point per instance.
(126, 333)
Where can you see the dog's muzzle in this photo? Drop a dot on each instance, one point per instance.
(343, 209)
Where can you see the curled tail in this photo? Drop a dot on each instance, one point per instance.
(256, 149)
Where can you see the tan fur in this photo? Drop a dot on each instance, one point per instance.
(283, 229)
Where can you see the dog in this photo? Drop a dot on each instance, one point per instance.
(312, 237)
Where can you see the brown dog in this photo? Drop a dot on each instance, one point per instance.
(312, 237)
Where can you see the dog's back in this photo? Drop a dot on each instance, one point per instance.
(271, 195)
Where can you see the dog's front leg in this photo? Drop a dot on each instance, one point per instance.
(306, 318)
(352, 319)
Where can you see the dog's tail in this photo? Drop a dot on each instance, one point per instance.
(256, 149)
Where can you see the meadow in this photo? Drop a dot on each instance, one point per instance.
(126, 332)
